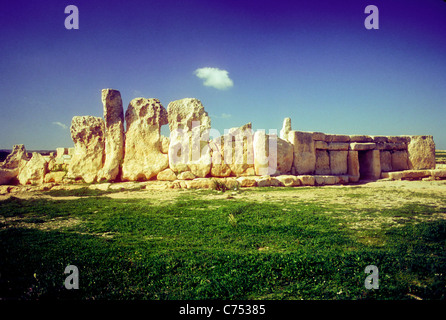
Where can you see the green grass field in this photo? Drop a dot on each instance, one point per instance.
(206, 245)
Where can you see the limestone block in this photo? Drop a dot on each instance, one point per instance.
(267, 181)
(326, 180)
(9, 169)
(338, 162)
(353, 166)
(421, 152)
(200, 183)
(87, 133)
(399, 160)
(318, 136)
(362, 146)
(338, 146)
(379, 139)
(247, 181)
(286, 128)
(189, 126)
(165, 141)
(321, 145)
(398, 139)
(114, 134)
(272, 155)
(56, 176)
(360, 138)
(166, 175)
(61, 151)
(34, 171)
(143, 158)
(306, 180)
(439, 173)
(288, 180)
(322, 162)
(186, 175)
(386, 161)
(304, 152)
(340, 138)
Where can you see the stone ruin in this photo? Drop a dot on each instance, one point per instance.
(106, 152)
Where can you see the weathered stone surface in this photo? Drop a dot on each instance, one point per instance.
(360, 138)
(272, 155)
(233, 153)
(268, 181)
(61, 151)
(399, 160)
(340, 138)
(304, 152)
(338, 146)
(386, 161)
(9, 169)
(321, 145)
(186, 175)
(200, 183)
(247, 181)
(362, 146)
(322, 162)
(353, 166)
(318, 136)
(16, 158)
(438, 173)
(143, 158)
(421, 152)
(326, 180)
(338, 162)
(87, 133)
(286, 128)
(306, 180)
(114, 134)
(189, 126)
(288, 180)
(165, 141)
(166, 175)
(398, 139)
(56, 177)
(379, 139)
(34, 170)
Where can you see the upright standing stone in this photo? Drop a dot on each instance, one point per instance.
(87, 133)
(34, 171)
(114, 134)
(286, 128)
(189, 126)
(338, 162)
(322, 162)
(304, 152)
(353, 166)
(10, 168)
(421, 152)
(143, 157)
(272, 155)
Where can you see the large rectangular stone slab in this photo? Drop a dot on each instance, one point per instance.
(304, 152)
(338, 162)
(338, 146)
(353, 166)
(322, 162)
(386, 161)
(399, 160)
(421, 152)
(358, 146)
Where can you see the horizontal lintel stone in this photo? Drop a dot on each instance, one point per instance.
(338, 146)
(357, 146)
(360, 138)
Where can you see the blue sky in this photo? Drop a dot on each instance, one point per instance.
(313, 61)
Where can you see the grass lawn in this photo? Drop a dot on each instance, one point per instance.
(213, 245)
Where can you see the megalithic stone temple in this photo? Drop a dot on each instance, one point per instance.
(130, 147)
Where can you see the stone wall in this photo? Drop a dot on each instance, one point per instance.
(103, 151)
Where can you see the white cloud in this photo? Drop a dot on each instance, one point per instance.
(214, 77)
(225, 116)
(60, 124)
